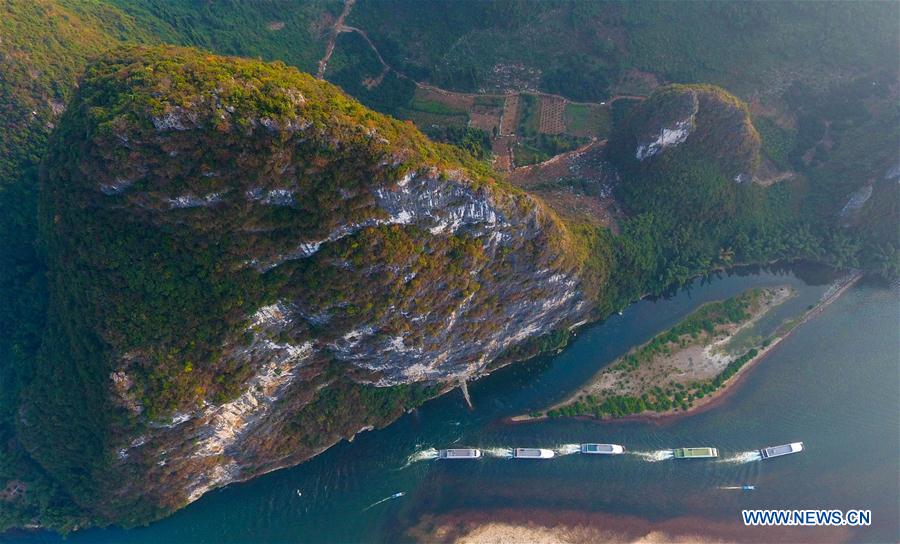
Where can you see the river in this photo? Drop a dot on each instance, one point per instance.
(833, 384)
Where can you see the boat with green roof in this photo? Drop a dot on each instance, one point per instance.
(696, 453)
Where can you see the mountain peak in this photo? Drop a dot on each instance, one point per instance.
(233, 243)
(701, 119)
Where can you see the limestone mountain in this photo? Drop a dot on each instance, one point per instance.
(690, 152)
(247, 265)
(238, 266)
(699, 119)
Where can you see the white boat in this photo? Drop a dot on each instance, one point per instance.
(459, 453)
(602, 449)
(784, 449)
(532, 453)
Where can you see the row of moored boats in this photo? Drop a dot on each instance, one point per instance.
(616, 449)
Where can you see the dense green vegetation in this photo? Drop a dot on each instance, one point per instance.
(824, 70)
(43, 47)
(141, 287)
(846, 138)
(534, 147)
(585, 48)
(700, 324)
(777, 142)
(356, 68)
(294, 32)
(476, 142)
(316, 424)
(688, 215)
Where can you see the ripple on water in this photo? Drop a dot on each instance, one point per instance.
(504, 453)
(654, 456)
(741, 458)
(426, 454)
(567, 449)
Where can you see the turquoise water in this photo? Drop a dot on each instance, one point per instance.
(834, 384)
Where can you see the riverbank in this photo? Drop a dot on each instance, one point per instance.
(575, 527)
(681, 372)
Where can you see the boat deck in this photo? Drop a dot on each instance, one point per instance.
(532, 453)
(460, 453)
(609, 449)
(784, 449)
(695, 453)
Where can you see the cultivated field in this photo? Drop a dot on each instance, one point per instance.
(587, 120)
(552, 108)
(577, 184)
(525, 128)
(510, 119)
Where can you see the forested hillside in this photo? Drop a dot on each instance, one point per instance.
(591, 50)
(772, 134)
(208, 237)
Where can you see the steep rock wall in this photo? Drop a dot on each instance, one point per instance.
(247, 266)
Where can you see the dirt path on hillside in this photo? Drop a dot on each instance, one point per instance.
(504, 142)
(372, 83)
(338, 29)
(593, 144)
(338, 25)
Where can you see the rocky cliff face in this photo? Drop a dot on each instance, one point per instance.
(431, 335)
(247, 265)
(673, 127)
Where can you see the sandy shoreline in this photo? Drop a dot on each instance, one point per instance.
(540, 526)
(702, 404)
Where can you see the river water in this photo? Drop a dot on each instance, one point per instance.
(833, 384)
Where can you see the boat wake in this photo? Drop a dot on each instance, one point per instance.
(745, 487)
(741, 458)
(420, 455)
(655, 456)
(376, 503)
(567, 449)
(504, 453)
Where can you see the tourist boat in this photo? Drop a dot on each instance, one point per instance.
(784, 449)
(696, 453)
(602, 449)
(532, 453)
(459, 453)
